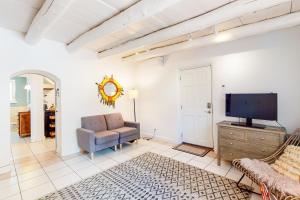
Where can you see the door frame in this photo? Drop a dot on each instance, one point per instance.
(57, 81)
(180, 136)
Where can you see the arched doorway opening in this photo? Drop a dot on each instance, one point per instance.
(43, 106)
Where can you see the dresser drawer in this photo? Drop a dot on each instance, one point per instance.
(230, 133)
(235, 142)
(224, 142)
(259, 151)
(263, 138)
(230, 154)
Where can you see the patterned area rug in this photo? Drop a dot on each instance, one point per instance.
(155, 177)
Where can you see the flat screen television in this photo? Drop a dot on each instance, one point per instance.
(252, 106)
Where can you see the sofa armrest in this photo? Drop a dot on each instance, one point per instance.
(133, 125)
(86, 139)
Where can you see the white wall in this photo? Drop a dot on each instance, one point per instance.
(50, 98)
(258, 64)
(78, 74)
(266, 63)
(36, 83)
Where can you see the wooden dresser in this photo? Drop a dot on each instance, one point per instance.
(236, 142)
(24, 124)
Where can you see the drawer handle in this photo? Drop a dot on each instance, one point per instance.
(262, 138)
(263, 150)
(231, 154)
(230, 133)
(231, 143)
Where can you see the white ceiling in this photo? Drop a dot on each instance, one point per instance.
(261, 15)
(84, 15)
(184, 10)
(17, 15)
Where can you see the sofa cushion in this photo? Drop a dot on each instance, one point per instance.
(95, 123)
(106, 136)
(125, 131)
(114, 121)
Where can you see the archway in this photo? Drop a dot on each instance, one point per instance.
(57, 82)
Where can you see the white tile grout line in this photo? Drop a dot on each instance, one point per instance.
(64, 161)
(92, 163)
(17, 176)
(78, 169)
(34, 155)
(40, 166)
(228, 171)
(209, 163)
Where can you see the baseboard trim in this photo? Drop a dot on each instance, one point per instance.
(163, 138)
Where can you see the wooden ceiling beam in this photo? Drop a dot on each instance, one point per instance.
(227, 12)
(50, 12)
(138, 12)
(107, 5)
(277, 23)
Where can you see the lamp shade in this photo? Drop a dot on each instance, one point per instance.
(133, 93)
(27, 87)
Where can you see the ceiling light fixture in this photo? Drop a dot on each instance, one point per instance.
(223, 37)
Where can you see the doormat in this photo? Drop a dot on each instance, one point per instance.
(193, 149)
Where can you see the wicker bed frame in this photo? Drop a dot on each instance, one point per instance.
(293, 139)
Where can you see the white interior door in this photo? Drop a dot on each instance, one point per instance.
(196, 111)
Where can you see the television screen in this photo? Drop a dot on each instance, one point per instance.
(252, 106)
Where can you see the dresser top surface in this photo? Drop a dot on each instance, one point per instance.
(24, 112)
(266, 129)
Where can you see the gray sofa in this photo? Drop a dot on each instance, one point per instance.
(103, 131)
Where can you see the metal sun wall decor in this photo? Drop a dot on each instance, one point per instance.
(109, 90)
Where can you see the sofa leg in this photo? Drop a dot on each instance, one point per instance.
(136, 141)
(91, 155)
(115, 148)
(120, 146)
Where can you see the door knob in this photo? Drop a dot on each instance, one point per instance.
(208, 111)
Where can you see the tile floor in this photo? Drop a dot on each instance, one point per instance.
(37, 170)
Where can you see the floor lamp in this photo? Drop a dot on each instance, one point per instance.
(133, 94)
